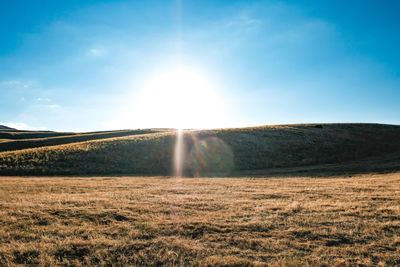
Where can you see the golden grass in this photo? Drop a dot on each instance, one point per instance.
(200, 221)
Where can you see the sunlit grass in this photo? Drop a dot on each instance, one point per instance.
(222, 221)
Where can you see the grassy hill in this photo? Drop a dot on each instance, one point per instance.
(23, 140)
(206, 152)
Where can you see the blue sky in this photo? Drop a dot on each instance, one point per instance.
(84, 65)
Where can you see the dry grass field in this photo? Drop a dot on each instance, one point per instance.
(344, 221)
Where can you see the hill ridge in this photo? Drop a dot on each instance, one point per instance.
(3, 127)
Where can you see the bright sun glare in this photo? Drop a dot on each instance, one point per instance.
(180, 98)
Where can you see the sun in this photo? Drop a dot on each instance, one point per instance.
(179, 98)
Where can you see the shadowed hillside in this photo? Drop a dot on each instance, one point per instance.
(2, 127)
(208, 152)
(23, 140)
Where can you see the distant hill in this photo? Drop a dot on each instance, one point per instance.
(23, 140)
(2, 127)
(221, 152)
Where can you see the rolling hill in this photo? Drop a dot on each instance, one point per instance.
(341, 148)
(2, 127)
(23, 140)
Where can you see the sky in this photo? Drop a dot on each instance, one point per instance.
(101, 65)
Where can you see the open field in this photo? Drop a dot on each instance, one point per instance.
(200, 221)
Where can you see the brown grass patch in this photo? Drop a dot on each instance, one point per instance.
(200, 221)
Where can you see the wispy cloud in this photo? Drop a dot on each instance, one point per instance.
(48, 106)
(97, 52)
(244, 20)
(43, 99)
(11, 83)
(45, 102)
(53, 106)
(15, 83)
(303, 31)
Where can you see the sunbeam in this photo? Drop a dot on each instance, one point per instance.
(178, 156)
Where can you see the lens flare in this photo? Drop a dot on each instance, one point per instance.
(211, 156)
(201, 156)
